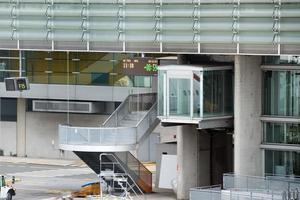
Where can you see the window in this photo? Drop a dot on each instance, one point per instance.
(105, 69)
(8, 109)
(9, 64)
(282, 162)
(218, 93)
(281, 133)
(281, 93)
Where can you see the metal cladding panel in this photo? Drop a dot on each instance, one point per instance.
(174, 26)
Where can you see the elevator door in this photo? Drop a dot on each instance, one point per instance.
(179, 96)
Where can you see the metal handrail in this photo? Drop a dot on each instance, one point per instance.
(139, 163)
(147, 114)
(117, 110)
(122, 168)
(207, 194)
(122, 105)
(278, 183)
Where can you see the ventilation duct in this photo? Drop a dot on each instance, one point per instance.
(65, 106)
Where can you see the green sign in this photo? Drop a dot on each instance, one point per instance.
(151, 67)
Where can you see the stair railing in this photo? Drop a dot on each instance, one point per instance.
(140, 172)
(113, 163)
(133, 103)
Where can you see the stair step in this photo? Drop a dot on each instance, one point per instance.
(120, 179)
(107, 173)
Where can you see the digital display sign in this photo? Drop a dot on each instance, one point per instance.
(21, 84)
(16, 84)
(140, 66)
(10, 84)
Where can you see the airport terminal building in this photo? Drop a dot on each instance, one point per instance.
(215, 82)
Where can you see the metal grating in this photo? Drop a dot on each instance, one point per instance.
(62, 106)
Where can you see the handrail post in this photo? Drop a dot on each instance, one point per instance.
(67, 132)
(247, 183)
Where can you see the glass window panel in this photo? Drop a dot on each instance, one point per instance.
(8, 109)
(196, 94)
(217, 93)
(161, 94)
(282, 93)
(179, 96)
(9, 64)
(282, 162)
(286, 133)
(84, 69)
(142, 81)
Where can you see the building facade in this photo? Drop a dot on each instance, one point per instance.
(231, 105)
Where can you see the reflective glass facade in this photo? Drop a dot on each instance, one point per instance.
(281, 93)
(9, 64)
(282, 162)
(281, 133)
(281, 98)
(103, 69)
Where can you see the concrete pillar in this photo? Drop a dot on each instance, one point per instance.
(193, 159)
(247, 111)
(21, 127)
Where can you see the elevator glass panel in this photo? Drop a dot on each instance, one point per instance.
(179, 97)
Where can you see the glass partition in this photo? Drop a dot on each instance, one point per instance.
(217, 93)
(179, 97)
(161, 92)
(195, 92)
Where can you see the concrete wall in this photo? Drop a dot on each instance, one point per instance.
(8, 138)
(247, 112)
(42, 131)
(147, 151)
(166, 134)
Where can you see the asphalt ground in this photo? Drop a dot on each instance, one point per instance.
(51, 182)
(45, 181)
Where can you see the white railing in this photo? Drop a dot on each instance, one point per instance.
(233, 194)
(111, 133)
(276, 183)
(100, 136)
(250, 188)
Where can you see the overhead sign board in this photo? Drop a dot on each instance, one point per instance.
(140, 66)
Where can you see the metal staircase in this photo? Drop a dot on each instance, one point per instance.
(138, 172)
(122, 184)
(128, 126)
(124, 131)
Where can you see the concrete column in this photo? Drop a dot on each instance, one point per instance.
(21, 127)
(247, 111)
(193, 160)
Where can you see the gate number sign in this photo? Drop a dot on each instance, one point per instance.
(16, 84)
